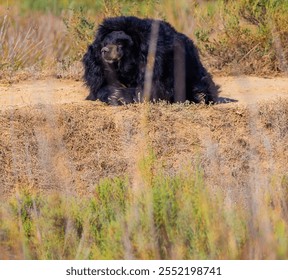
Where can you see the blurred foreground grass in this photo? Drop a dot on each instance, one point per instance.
(164, 217)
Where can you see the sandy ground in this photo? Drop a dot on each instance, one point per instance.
(49, 91)
(247, 90)
(250, 90)
(52, 139)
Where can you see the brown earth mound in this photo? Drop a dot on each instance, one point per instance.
(50, 139)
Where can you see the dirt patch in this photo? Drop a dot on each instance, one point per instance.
(50, 139)
(243, 89)
(48, 91)
(251, 90)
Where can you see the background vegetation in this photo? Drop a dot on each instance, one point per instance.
(42, 38)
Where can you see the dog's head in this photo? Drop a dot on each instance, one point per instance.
(115, 46)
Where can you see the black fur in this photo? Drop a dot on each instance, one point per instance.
(115, 64)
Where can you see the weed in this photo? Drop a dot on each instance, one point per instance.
(176, 217)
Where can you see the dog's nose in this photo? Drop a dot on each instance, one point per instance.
(104, 50)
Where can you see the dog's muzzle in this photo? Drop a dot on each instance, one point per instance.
(111, 53)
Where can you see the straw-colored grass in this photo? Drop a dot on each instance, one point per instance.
(248, 37)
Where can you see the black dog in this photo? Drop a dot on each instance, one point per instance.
(115, 64)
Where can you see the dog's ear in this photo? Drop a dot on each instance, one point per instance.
(94, 71)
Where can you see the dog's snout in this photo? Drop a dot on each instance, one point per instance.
(110, 53)
(105, 50)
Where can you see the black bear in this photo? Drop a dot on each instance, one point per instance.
(117, 64)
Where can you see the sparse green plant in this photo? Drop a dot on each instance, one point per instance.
(173, 217)
(246, 42)
(81, 30)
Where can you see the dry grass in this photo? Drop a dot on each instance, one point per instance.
(233, 37)
(36, 154)
(30, 45)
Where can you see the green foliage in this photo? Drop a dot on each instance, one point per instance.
(81, 30)
(180, 211)
(57, 6)
(252, 38)
(169, 217)
(110, 7)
